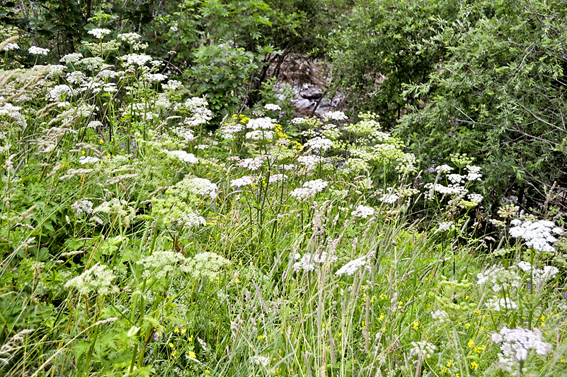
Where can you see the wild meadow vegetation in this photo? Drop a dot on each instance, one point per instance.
(164, 212)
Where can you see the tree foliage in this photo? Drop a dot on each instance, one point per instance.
(499, 95)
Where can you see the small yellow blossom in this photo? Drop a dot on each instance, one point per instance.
(471, 343)
(474, 365)
(416, 325)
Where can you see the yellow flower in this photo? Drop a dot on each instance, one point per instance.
(183, 331)
(449, 363)
(83, 153)
(192, 355)
(207, 371)
(171, 345)
(176, 330)
(474, 365)
(416, 325)
(467, 325)
(101, 141)
(471, 343)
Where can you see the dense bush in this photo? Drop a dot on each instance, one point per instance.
(499, 95)
(484, 77)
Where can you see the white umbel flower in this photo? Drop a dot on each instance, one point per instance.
(136, 59)
(99, 33)
(389, 198)
(351, 267)
(82, 206)
(184, 156)
(96, 279)
(335, 115)
(422, 350)
(309, 262)
(240, 182)
(34, 50)
(516, 344)
(319, 143)
(71, 58)
(363, 211)
(11, 46)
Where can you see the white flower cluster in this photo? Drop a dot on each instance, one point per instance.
(107, 74)
(389, 198)
(155, 77)
(160, 263)
(171, 85)
(59, 90)
(260, 124)
(277, 177)
(363, 212)
(13, 112)
(71, 58)
(76, 77)
(97, 279)
(95, 124)
(516, 343)
(538, 276)
(446, 190)
(230, 129)
(199, 112)
(335, 115)
(499, 278)
(476, 198)
(422, 350)
(88, 160)
(260, 360)
(184, 133)
(260, 135)
(500, 304)
(137, 59)
(310, 161)
(309, 189)
(440, 316)
(319, 143)
(34, 50)
(537, 234)
(82, 206)
(308, 262)
(351, 267)
(184, 156)
(130, 38)
(443, 168)
(99, 33)
(10, 47)
(445, 226)
(92, 63)
(191, 220)
(202, 186)
(473, 173)
(240, 182)
(272, 107)
(251, 163)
